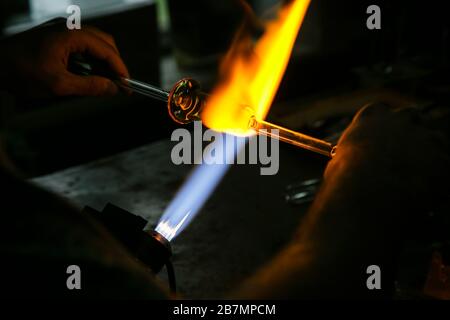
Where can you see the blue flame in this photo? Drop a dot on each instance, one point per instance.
(197, 189)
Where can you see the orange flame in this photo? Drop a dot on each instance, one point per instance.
(253, 79)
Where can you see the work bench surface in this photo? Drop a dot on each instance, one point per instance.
(244, 223)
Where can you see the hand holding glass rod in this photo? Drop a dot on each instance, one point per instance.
(185, 102)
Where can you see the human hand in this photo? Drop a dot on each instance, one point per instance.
(36, 62)
(396, 149)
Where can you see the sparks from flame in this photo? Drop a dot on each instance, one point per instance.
(253, 79)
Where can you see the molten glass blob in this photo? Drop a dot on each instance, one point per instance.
(185, 101)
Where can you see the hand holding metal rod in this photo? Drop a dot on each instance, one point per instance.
(185, 102)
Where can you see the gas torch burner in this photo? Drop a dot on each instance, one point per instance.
(146, 244)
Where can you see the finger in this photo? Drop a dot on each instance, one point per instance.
(71, 84)
(87, 42)
(104, 36)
